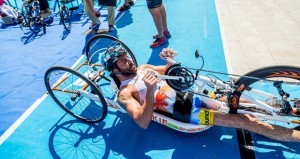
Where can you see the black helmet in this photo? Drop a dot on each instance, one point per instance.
(112, 54)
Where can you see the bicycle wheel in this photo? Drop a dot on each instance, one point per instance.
(65, 17)
(267, 80)
(98, 44)
(26, 13)
(35, 21)
(64, 86)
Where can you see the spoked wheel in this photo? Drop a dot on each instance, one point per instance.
(65, 17)
(76, 94)
(276, 80)
(35, 22)
(99, 44)
(26, 13)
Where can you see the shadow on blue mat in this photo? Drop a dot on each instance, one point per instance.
(267, 148)
(80, 140)
(154, 59)
(126, 19)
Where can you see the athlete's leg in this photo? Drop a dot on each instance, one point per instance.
(247, 122)
(163, 14)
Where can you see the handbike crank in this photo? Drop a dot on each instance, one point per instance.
(186, 78)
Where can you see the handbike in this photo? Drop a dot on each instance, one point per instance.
(272, 93)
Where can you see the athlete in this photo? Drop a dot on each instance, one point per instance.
(141, 93)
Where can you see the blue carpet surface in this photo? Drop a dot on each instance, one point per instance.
(51, 133)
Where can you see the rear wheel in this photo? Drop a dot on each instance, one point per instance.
(275, 80)
(98, 44)
(65, 17)
(66, 87)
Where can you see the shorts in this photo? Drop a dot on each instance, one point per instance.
(197, 105)
(154, 3)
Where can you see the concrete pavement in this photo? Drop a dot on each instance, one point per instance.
(259, 33)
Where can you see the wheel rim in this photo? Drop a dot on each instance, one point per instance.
(77, 105)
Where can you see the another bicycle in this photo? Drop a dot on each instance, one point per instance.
(31, 16)
(66, 9)
(272, 92)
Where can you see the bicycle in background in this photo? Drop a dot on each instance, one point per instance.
(66, 9)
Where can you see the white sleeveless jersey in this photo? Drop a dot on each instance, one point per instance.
(164, 97)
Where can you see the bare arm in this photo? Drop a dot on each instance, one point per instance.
(142, 114)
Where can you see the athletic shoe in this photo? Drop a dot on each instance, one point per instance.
(167, 34)
(158, 42)
(131, 3)
(124, 7)
(111, 28)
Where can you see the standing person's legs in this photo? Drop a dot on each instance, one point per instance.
(89, 10)
(154, 7)
(111, 17)
(163, 14)
(44, 7)
(157, 18)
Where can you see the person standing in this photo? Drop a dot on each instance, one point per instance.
(158, 12)
(92, 14)
(111, 11)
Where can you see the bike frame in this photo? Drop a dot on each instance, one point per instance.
(200, 83)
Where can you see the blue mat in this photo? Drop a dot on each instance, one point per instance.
(51, 133)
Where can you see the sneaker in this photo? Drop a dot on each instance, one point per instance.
(124, 7)
(111, 28)
(158, 42)
(167, 34)
(131, 3)
(95, 26)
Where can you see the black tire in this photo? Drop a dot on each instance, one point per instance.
(26, 13)
(65, 17)
(288, 74)
(101, 42)
(77, 105)
(35, 22)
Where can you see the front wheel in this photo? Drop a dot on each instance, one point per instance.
(74, 93)
(276, 81)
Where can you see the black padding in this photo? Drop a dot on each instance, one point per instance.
(183, 106)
